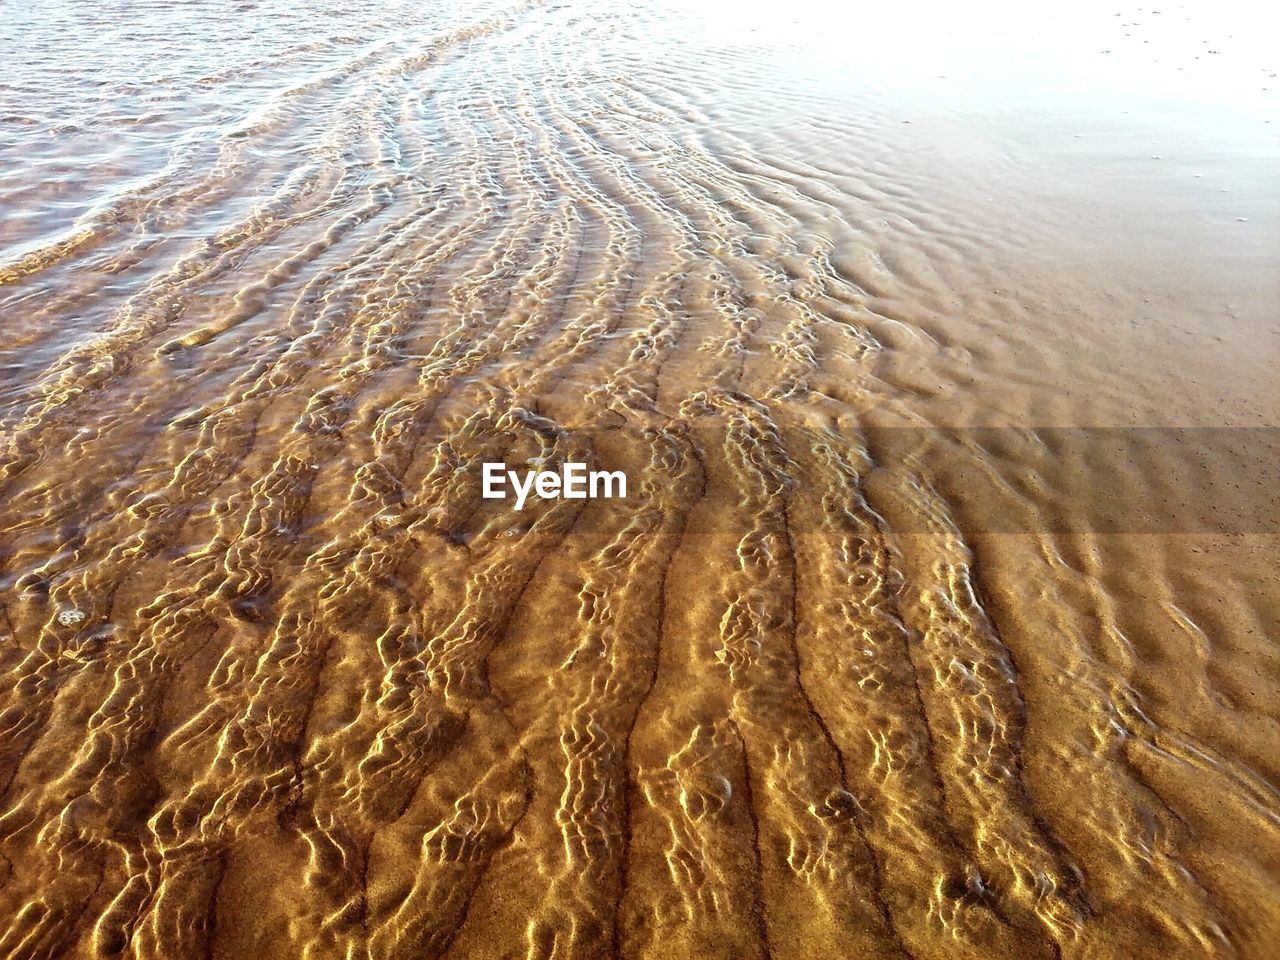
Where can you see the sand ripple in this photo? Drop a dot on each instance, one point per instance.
(275, 681)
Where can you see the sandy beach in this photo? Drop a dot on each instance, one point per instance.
(936, 616)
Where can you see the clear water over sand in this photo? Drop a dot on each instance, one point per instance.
(938, 346)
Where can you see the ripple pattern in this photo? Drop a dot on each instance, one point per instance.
(275, 681)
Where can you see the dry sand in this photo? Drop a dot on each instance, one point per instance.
(939, 350)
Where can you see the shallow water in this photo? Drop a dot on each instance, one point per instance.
(937, 346)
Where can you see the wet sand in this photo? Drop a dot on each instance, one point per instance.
(938, 349)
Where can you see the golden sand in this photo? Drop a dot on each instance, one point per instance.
(939, 620)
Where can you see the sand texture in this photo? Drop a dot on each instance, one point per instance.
(939, 621)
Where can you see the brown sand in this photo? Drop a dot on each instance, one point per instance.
(940, 621)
